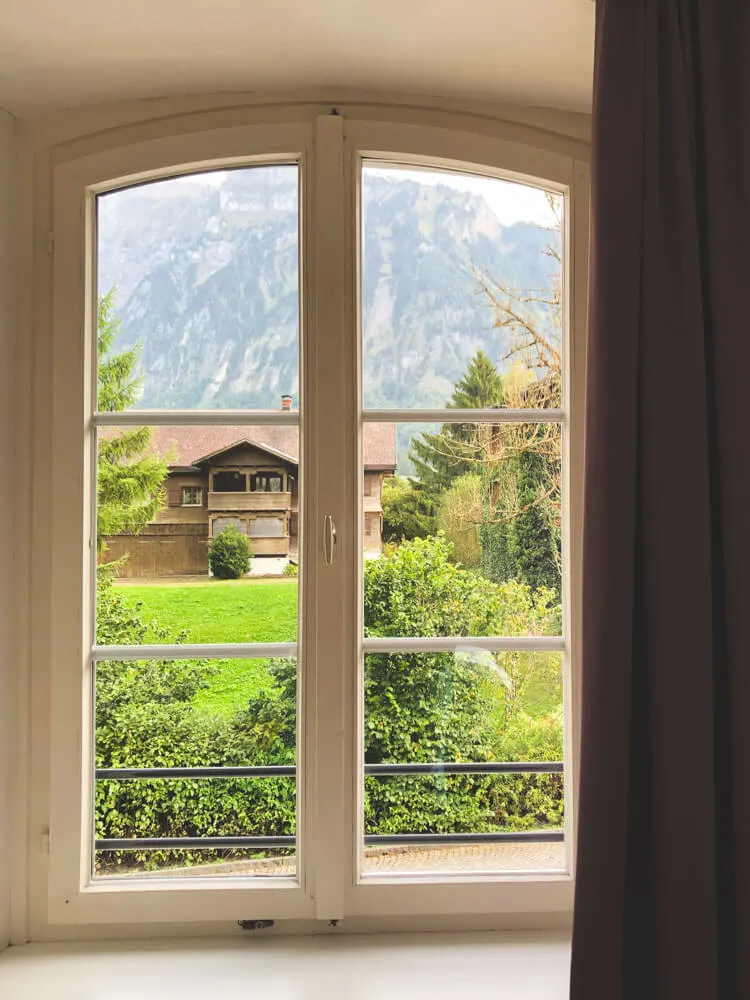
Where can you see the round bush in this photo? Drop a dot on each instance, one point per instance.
(229, 554)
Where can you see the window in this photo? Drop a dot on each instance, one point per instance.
(219, 524)
(192, 496)
(227, 481)
(390, 730)
(266, 482)
(267, 527)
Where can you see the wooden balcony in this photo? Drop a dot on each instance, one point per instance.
(250, 501)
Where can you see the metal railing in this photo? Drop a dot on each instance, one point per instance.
(289, 771)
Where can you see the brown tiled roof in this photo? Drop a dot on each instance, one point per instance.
(182, 446)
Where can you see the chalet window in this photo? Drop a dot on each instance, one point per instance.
(267, 527)
(400, 715)
(192, 496)
(265, 482)
(221, 523)
(229, 482)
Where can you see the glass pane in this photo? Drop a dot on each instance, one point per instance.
(195, 714)
(465, 538)
(183, 560)
(460, 273)
(476, 711)
(200, 284)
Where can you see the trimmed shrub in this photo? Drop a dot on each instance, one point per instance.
(291, 569)
(229, 554)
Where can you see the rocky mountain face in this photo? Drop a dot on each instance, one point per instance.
(207, 282)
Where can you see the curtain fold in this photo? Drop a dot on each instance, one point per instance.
(663, 876)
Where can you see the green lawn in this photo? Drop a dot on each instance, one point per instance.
(224, 611)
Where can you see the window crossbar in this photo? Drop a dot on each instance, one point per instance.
(498, 416)
(371, 840)
(289, 650)
(201, 418)
(453, 644)
(371, 770)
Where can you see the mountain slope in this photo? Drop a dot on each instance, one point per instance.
(207, 283)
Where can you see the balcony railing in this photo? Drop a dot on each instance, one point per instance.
(249, 501)
(289, 771)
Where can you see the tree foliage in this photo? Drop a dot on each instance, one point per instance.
(130, 481)
(459, 516)
(445, 706)
(408, 510)
(438, 459)
(520, 529)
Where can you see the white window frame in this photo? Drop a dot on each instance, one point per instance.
(329, 150)
(199, 494)
(429, 147)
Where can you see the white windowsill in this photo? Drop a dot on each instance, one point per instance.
(475, 966)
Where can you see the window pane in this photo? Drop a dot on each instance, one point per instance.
(459, 270)
(201, 280)
(159, 509)
(465, 538)
(470, 709)
(195, 714)
(267, 527)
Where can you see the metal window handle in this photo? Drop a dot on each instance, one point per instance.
(329, 539)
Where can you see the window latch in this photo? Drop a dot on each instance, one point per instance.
(329, 539)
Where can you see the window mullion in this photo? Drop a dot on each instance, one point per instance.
(328, 435)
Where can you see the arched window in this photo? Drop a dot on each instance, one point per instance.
(377, 328)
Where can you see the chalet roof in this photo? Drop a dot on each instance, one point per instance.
(183, 446)
(252, 444)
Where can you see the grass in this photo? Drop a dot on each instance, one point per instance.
(223, 611)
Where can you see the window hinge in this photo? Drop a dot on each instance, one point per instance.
(44, 842)
(50, 242)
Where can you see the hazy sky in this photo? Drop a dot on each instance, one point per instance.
(510, 201)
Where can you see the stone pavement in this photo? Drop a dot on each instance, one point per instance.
(441, 859)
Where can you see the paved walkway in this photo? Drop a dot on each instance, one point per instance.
(401, 860)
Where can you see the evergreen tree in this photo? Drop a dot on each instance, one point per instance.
(440, 458)
(130, 482)
(522, 543)
(408, 510)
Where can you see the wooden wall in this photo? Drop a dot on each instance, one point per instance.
(162, 550)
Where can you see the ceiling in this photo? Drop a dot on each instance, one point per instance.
(65, 53)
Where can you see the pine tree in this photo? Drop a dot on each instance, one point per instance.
(440, 458)
(521, 543)
(130, 482)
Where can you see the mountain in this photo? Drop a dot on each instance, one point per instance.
(207, 278)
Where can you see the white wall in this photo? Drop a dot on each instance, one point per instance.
(7, 178)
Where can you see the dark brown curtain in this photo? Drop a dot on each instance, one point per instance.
(663, 884)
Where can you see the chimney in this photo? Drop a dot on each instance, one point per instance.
(286, 402)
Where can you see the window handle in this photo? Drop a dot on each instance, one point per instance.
(329, 539)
